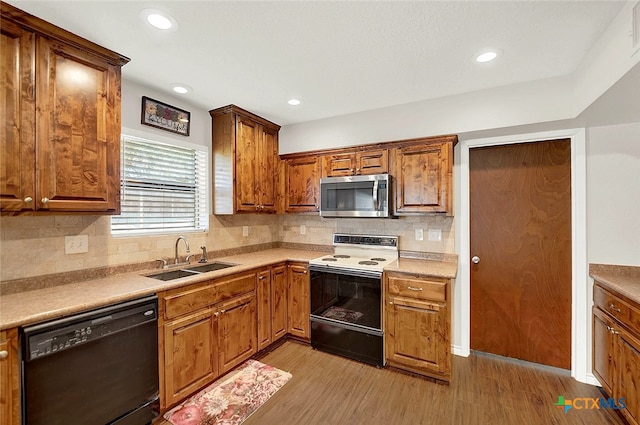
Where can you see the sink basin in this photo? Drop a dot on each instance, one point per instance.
(173, 274)
(209, 267)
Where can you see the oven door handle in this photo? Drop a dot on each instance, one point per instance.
(344, 325)
(375, 195)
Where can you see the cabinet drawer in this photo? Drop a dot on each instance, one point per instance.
(627, 314)
(180, 302)
(420, 288)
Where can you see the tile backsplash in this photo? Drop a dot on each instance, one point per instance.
(35, 246)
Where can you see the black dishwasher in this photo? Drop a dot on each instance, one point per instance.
(94, 368)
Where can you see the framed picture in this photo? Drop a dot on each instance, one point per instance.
(166, 117)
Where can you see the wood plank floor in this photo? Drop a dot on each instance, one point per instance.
(327, 389)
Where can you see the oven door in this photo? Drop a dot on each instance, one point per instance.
(346, 316)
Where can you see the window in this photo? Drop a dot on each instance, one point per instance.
(163, 188)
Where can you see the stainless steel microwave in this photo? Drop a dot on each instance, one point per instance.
(355, 196)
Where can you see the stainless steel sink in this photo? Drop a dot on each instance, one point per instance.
(209, 267)
(173, 274)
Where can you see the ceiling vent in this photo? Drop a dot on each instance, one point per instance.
(635, 26)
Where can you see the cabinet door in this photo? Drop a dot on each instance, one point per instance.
(269, 160)
(190, 354)
(339, 165)
(628, 372)
(278, 302)
(264, 308)
(302, 178)
(417, 335)
(246, 174)
(372, 162)
(298, 301)
(423, 178)
(237, 331)
(77, 130)
(9, 378)
(603, 349)
(17, 138)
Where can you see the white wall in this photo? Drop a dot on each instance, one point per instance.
(613, 194)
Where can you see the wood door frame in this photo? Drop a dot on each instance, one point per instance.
(581, 286)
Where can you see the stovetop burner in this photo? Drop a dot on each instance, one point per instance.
(378, 259)
(368, 263)
(341, 256)
(366, 253)
(329, 259)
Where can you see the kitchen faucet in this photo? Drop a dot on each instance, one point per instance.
(186, 244)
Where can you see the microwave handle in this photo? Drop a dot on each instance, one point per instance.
(375, 195)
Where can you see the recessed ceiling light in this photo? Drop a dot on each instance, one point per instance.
(159, 19)
(487, 56)
(294, 102)
(181, 88)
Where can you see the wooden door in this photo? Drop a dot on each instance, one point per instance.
(603, 346)
(343, 164)
(190, 353)
(237, 331)
(417, 334)
(263, 293)
(246, 166)
(269, 170)
(372, 162)
(17, 137)
(520, 203)
(278, 302)
(302, 178)
(423, 175)
(298, 301)
(628, 375)
(77, 130)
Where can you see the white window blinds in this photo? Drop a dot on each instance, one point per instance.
(163, 188)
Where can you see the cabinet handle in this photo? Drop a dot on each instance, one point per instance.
(216, 314)
(390, 302)
(45, 200)
(411, 288)
(222, 311)
(28, 199)
(4, 354)
(614, 308)
(260, 277)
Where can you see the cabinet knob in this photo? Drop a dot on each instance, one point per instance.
(45, 200)
(390, 302)
(28, 199)
(305, 272)
(260, 277)
(4, 354)
(614, 308)
(222, 311)
(216, 314)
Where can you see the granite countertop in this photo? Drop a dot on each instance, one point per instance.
(623, 279)
(38, 305)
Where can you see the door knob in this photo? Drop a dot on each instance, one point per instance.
(475, 259)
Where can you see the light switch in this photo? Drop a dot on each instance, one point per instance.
(419, 234)
(245, 230)
(303, 229)
(435, 235)
(76, 244)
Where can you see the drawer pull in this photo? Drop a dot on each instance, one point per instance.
(614, 308)
(4, 354)
(411, 288)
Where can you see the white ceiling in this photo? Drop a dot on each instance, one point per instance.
(337, 57)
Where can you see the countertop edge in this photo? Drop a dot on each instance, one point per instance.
(624, 280)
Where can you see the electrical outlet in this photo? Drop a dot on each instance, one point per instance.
(76, 244)
(303, 229)
(245, 231)
(419, 234)
(435, 235)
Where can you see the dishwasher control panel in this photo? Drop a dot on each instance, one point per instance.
(53, 337)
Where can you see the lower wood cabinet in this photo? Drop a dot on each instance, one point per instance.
(236, 331)
(9, 378)
(616, 348)
(417, 324)
(279, 308)
(263, 291)
(298, 301)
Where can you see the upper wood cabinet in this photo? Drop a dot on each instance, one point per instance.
(423, 178)
(374, 161)
(302, 184)
(60, 146)
(245, 162)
